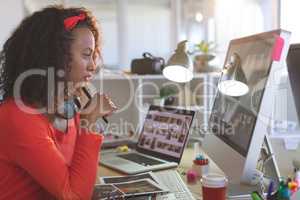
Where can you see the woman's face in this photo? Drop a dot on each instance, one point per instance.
(82, 63)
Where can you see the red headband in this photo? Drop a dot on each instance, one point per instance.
(71, 22)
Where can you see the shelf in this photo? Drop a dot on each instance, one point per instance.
(194, 108)
(291, 140)
(125, 76)
(285, 135)
(121, 86)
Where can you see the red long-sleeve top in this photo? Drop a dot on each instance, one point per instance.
(39, 162)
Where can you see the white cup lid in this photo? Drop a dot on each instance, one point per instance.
(214, 180)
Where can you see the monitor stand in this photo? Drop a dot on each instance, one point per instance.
(240, 190)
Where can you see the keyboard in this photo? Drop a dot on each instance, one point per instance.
(172, 180)
(140, 159)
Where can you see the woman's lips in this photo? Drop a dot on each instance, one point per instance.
(88, 78)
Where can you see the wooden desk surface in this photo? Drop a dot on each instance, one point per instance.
(185, 165)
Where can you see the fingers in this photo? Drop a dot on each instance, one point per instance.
(107, 102)
(75, 89)
(100, 105)
(112, 105)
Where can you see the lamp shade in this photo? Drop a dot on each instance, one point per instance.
(233, 80)
(179, 67)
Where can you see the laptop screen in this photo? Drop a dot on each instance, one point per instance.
(165, 132)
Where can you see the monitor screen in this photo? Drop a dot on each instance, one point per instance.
(165, 131)
(233, 118)
(293, 66)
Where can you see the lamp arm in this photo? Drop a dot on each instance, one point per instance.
(190, 53)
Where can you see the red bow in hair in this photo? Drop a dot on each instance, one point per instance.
(71, 22)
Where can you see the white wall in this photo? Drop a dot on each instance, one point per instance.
(11, 14)
(289, 18)
(146, 28)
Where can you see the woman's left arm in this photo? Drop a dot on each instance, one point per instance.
(31, 147)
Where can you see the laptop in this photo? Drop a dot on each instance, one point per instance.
(160, 145)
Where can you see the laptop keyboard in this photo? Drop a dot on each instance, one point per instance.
(142, 160)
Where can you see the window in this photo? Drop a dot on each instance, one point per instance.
(234, 19)
(289, 18)
(132, 27)
(129, 27)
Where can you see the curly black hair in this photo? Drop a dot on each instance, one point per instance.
(41, 41)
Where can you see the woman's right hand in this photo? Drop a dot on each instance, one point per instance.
(100, 106)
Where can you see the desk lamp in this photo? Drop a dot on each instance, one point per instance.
(179, 67)
(233, 80)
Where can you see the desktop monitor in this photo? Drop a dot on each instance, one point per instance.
(238, 124)
(286, 113)
(293, 67)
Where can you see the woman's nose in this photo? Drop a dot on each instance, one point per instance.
(92, 66)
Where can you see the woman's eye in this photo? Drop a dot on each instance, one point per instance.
(87, 54)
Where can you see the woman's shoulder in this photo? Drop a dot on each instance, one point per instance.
(13, 110)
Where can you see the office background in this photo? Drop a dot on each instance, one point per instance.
(131, 27)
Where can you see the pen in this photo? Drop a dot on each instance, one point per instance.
(105, 119)
(256, 196)
(270, 190)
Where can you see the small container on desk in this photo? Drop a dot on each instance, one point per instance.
(214, 187)
(201, 166)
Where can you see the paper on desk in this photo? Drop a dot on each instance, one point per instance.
(139, 187)
(169, 196)
(120, 179)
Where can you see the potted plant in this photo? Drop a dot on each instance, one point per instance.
(203, 53)
(166, 96)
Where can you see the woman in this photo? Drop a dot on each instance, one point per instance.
(44, 151)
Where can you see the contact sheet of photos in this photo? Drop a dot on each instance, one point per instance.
(165, 132)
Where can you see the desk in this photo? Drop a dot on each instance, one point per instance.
(185, 164)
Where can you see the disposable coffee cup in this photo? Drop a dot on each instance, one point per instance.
(214, 187)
